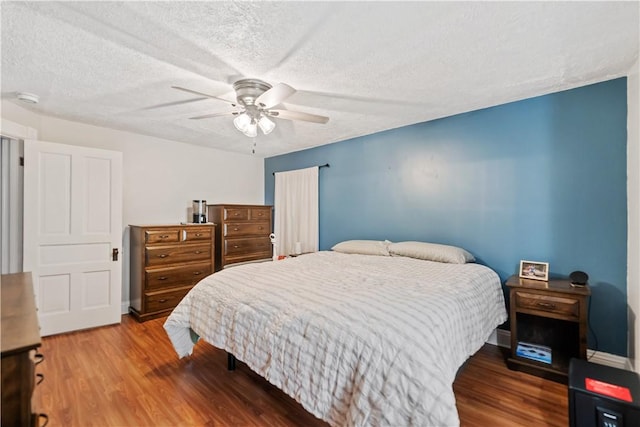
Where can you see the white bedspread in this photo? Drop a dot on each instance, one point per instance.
(358, 340)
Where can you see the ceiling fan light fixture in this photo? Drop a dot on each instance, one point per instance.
(266, 125)
(242, 122)
(255, 100)
(252, 129)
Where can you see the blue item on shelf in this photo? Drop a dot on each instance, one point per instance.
(539, 353)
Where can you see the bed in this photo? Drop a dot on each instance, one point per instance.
(356, 339)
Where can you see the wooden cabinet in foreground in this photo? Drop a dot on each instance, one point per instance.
(20, 341)
(166, 262)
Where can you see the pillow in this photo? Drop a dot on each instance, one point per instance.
(363, 247)
(431, 252)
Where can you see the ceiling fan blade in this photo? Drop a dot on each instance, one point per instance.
(195, 92)
(174, 103)
(298, 115)
(275, 95)
(208, 116)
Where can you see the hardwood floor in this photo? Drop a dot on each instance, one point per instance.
(129, 375)
(489, 394)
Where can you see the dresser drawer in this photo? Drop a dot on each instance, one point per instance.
(158, 301)
(162, 236)
(183, 275)
(163, 255)
(248, 245)
(192, 234)
(236, 214)
(260, 213)
(563, 306)
(236, 229)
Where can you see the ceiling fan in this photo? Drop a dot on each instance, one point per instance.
(255, 101)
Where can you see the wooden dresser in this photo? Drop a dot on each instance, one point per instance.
(166, 262)
(242, 233)
(20, 339)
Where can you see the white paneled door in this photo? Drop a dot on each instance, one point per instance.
(73, 234)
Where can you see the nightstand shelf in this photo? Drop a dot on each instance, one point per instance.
(552, 314)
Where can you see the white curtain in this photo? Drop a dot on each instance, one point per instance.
(296, 211)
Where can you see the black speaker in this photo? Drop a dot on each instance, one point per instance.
(579, 278)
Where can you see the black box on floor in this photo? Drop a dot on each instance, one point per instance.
(602, 396)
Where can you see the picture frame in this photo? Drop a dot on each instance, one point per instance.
(534, 270)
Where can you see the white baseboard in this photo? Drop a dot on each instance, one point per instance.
(502, 338)
(609, 359)
(124, 308)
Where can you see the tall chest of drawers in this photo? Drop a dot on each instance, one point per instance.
(20, 340)
(242, 233)
(166, 262)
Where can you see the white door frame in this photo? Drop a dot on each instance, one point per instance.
(14, 209)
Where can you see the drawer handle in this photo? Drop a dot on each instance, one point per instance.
(196, 273)
(162, 278)
(163, 300)
(260, 228)
(163, 255)
(46, 420)
(260, 214)
(197, 252)
(236, 214)
(198, 234)
(39, 358)
(546, 305)
(164, 236)
(236, 246)
(40, 378)
(236, 229)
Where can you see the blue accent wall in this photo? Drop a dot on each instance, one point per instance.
(542, 179)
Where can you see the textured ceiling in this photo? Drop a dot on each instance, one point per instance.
(368, 66)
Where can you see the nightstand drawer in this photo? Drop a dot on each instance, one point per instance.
(552, 304)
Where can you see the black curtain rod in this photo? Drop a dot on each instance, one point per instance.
(326, 165)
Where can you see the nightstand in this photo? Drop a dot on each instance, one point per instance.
(551, 315)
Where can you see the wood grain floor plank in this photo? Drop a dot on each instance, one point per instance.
(128, 375)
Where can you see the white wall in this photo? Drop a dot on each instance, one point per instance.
(633, 224)
(160, 177)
